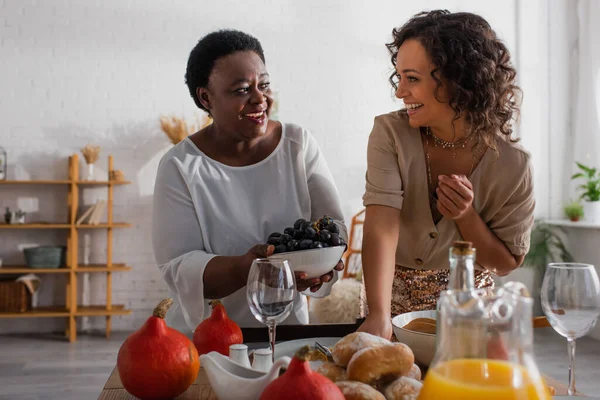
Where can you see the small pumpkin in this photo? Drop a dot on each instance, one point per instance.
(300, 382)
(157, 362)
(217, 332)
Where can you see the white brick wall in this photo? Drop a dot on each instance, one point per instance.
(79, 72)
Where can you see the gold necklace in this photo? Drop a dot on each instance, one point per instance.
(428, 162)
(445, 144)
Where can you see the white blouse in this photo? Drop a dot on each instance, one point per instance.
(203, 208)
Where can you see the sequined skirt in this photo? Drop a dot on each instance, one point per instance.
(418, 290)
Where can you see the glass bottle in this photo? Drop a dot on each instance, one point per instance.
(462, 266)
(485, 347)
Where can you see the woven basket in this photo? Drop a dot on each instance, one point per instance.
(14, 297)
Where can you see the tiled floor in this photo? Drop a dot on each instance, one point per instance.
(41, 368)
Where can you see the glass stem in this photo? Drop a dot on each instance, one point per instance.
(271, 326)
(571, 390)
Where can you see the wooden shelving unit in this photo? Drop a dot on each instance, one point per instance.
(71, 309)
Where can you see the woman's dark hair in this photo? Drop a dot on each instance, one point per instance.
(473, 63)
(209, 49)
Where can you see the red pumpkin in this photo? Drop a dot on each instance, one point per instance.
(217, 332)
(157, 362)
(300, 382)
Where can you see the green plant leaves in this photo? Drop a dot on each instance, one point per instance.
(546, 246)
(591, 188)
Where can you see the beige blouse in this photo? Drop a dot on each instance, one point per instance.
(397, 177)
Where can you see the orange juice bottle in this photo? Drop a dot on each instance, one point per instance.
(476, 379)
(484, 346)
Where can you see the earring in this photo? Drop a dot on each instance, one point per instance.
(240, 117)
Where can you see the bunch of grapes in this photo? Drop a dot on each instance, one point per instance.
(306, 235)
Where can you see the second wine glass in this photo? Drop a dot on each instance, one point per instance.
(571, 302)
(270, 291)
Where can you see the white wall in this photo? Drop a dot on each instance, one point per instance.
(78, 72)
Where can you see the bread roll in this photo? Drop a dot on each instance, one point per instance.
(359, 391)
(332, 371)
(415, 372)
(374, 363)
(403, 388)
(343, 350)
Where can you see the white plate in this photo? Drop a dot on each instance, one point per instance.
(291, 347)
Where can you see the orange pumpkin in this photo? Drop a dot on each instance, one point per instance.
(300, 382)
(217, 332)
(157, 362)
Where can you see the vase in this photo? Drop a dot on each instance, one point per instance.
(87, 248)
(591, 211)
(90, 173)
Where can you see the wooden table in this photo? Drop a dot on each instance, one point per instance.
(200, 389)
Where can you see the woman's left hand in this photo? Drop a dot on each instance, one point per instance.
(455, 196)
(315, 283)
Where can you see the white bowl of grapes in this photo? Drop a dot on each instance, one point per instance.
(313, 247)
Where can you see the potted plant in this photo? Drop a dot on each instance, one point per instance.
(574, 210)
(590, 191)
(547, 245)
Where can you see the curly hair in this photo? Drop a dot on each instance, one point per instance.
(209, 49)
(474, 64)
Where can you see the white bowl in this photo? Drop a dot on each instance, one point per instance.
(315, 262)
(422, 344)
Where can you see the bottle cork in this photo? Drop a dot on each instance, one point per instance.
(462, 248)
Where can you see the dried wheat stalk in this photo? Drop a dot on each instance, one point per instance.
(90, 153)
(177, 129)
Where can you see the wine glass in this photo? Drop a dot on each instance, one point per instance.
(571, 302)
(270, 291)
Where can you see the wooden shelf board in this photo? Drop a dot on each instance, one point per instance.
(89, 311)
(102, 183)
(35, 226)
(100, 310)
(113, 225)
(64, 226)
(36, 182)
(23, 269)
(102, 268)
(63, 182)
(38, 313)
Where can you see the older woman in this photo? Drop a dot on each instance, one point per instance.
(443, 168)
(223, 190)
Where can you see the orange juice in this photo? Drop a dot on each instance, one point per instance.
(478, 379)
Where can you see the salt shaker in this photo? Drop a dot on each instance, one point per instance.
(262, 360)
(239, 354)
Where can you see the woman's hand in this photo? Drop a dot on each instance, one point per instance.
(258, 251)
(455, 196)
(315, 283)
(379, 325)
